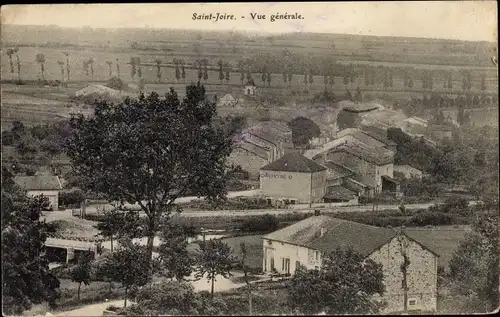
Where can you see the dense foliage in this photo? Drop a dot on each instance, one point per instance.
(26, 279)
(344, 284)
(303, 130)
(152, 150)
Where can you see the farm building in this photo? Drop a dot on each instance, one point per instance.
(415, 125)
(293, 179)
(373, 166)
(250, 89)
(408, 171)
(369, 138)
(227, 101)
(99, 90)
(48, 186)
(308, 241)
(440, 132)
(278, 129)
(250, 157)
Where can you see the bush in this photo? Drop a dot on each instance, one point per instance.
(264, 223)
(431, 218)
(71, 199)
(115, 83)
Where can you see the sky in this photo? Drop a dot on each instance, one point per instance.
(461, 20)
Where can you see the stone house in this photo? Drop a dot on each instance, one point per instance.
(250, 157)
(227, 101)
(48, 186)
(308, 241)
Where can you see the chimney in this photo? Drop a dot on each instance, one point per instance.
(323, 230)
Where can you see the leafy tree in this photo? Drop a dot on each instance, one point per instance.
(221, 71)
(214, 258)
(157, 149)
(40, 59)
(117, 68)
(303, 130)
(129, 266)
(91, 63)
(228, 73)
(80, 273)
(16, 50)
(26, 279)
(474, 270)
(166, 298)
(269, 79)
(483, 83)
(10, 52)
(133, 68)
(205, 72)
(344, 284)
(173, 255)
(290, 77)
(358, 97)
(110, 64)
(115, 83)
(61, 64)
(139, 69)
(183, 71)
(158, 69)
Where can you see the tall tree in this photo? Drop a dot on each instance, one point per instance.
(290, 77)
(80, 273)
(474, 268)
(139, 68)
(158, 149)
(344, 284)
(174, 259)
(61, 65)
(26, 279)
(40, 59)
(177, 70)
(110, 64)
(303, 130)
(305, 81)
(483, 83)
(228, 72)
(10, 52)
(91, 63)
(117, 68)
(16, 50)
(183, 70)
(205, 72)
(214, 258)
(133, 68)
(67, 65)
(221, 70)
(129, 266)
(269, 78)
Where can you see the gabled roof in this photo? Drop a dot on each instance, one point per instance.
(253, 148)
(264, 134)
(339, 192)
(294, 162)
(337, 170)
(339, 233)
(38, 182)
(390, 179)
(366, 137)
(377, 156)
(227, 97)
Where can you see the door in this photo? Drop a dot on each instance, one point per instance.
(287, 266)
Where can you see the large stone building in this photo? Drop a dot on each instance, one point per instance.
(307, 242)
(293, 179)
(48, 186)
(372, 166)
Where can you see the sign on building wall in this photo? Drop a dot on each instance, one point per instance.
(270, 176)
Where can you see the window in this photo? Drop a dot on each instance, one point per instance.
(412, 302)
(282, 264)
(269, 242)
(317, 255)
(316, 267)
(297, 265)
(272, 263)
(269, 202)
(292, 201)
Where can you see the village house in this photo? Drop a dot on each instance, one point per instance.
(307, 242)
(408, 171)
(440, 132)
(370, 138)
(255, 147)
(415, 125)
(293, 179)
(373, 166)
(337, 187)
(250, 89)
(227, 101)
(48, 186)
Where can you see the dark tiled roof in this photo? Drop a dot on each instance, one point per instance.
(339, 192)
(339, 234)
(373, 155)
(264, 133)
(253, 148)
(294, 162)
(337, 171)
(38, 182)
(390, 179)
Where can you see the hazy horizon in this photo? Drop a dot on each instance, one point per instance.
(447, 20)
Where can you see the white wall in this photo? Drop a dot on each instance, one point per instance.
(279, 251)
(286, 185)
